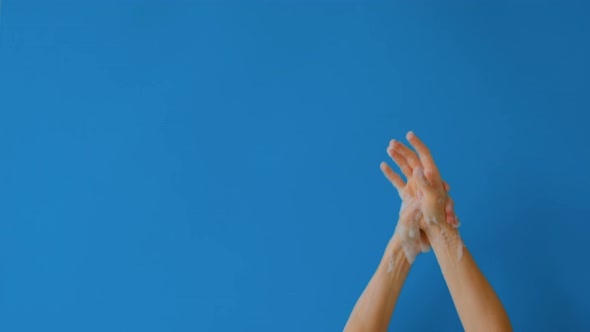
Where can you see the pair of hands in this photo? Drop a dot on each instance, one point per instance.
(426, 204)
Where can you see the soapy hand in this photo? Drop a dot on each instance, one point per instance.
(425, 200)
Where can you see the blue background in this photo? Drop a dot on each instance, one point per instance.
(184, 166)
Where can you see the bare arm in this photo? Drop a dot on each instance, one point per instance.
(374, 308)
(476, 302)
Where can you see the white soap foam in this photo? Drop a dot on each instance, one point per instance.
(431, 220)
(410, 252)
(408, 227)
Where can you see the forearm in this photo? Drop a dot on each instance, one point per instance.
(374, 308)
(477, 304)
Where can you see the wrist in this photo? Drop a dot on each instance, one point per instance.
(445, 238)
(432, 231)
(436, 225)
(394, 246)
(395, 256)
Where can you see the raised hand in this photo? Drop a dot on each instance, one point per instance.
(478, 305)
(426, 218)
(425, 200)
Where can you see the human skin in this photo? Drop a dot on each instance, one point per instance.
(374, 308)
(477, 304)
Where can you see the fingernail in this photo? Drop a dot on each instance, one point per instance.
(410, 134)
(449, 218)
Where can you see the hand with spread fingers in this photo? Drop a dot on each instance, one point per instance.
(426, 218)
(424, 195)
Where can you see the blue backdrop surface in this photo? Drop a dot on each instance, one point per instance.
(192, 166)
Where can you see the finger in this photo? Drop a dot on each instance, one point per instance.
(410, 155)
(450, 205)
(419, 174)
(401, 162)
(392, 176)
(449, 211)
(424, 153)
(447, 186)
(450, 217)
